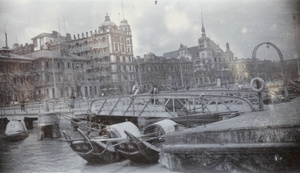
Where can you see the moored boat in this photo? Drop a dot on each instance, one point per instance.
(15, 130)
(101, 149)
(146, 148)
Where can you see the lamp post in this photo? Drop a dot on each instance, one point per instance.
(140, 77)
(54, 79)
(298, 57)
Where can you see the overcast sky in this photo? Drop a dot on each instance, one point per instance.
(162, 27)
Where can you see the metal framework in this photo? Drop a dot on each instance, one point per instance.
(175, 104)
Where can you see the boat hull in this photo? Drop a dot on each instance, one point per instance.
(16, 137)
(15, 131)
(98, 156)
(138, 152)
(146, 148)
(101, 149)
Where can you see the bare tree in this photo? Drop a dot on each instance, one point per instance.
(18, 81)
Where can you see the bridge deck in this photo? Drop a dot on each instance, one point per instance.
(165, 104)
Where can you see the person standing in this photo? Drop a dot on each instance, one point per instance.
(22, 104)
(72, 100)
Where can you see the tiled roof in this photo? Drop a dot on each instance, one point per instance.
(42, 35)
(15, 57)
(52, 54)
(193, 51)
(172, 54)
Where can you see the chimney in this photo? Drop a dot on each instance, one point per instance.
(95, 31)
(55, 34)
(91, 33)
(82, 35)
(68, 37)
(78, 36)
(87, 34)
(74, 37)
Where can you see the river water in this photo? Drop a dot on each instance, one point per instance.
(32, 155)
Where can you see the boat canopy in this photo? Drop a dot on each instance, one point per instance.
(166, 125)
(118, 129)
(15, 126)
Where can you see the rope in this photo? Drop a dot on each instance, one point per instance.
(87, 125)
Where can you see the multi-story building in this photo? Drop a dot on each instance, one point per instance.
(88, 65)
(59, 74)
(244, 70)
(17, 81)
(209, 60)
(163, 73)
(109, 51)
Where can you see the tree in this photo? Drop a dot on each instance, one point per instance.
(18, 80)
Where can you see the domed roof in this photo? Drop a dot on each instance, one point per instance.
(123, 22)
(107, 22)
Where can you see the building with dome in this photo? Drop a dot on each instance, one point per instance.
(110, 54)
(210, 62)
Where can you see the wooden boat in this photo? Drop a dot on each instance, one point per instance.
(146, 148)
(15, 130)
(101, 149)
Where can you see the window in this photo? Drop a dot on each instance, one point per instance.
(58, 65)
(47, 64)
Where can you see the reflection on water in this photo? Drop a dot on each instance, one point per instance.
(31, 155)
(39, 156)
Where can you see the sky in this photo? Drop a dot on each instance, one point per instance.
(163, 26)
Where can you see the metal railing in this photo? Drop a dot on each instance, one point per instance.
(169, 105)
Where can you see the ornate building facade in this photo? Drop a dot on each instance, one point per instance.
(163, 73)
(210, 62)
(110, 53)
(88, 65)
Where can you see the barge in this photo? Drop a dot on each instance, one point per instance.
(265, 141)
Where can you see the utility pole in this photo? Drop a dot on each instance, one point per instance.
(140, 77)
(182, 84)
(296, 48)
(6, 45)
(54, 79)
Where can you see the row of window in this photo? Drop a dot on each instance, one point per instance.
(118, 59)
(122, 49)
(170, 68)
(68, 64)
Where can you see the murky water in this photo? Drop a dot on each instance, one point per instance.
(31, 155)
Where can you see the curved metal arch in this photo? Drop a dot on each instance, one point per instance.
(283, 65)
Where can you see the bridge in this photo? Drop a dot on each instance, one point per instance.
(187, 103)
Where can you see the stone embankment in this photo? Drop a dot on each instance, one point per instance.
(263, 141)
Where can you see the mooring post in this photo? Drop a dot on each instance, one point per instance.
(260, 100)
